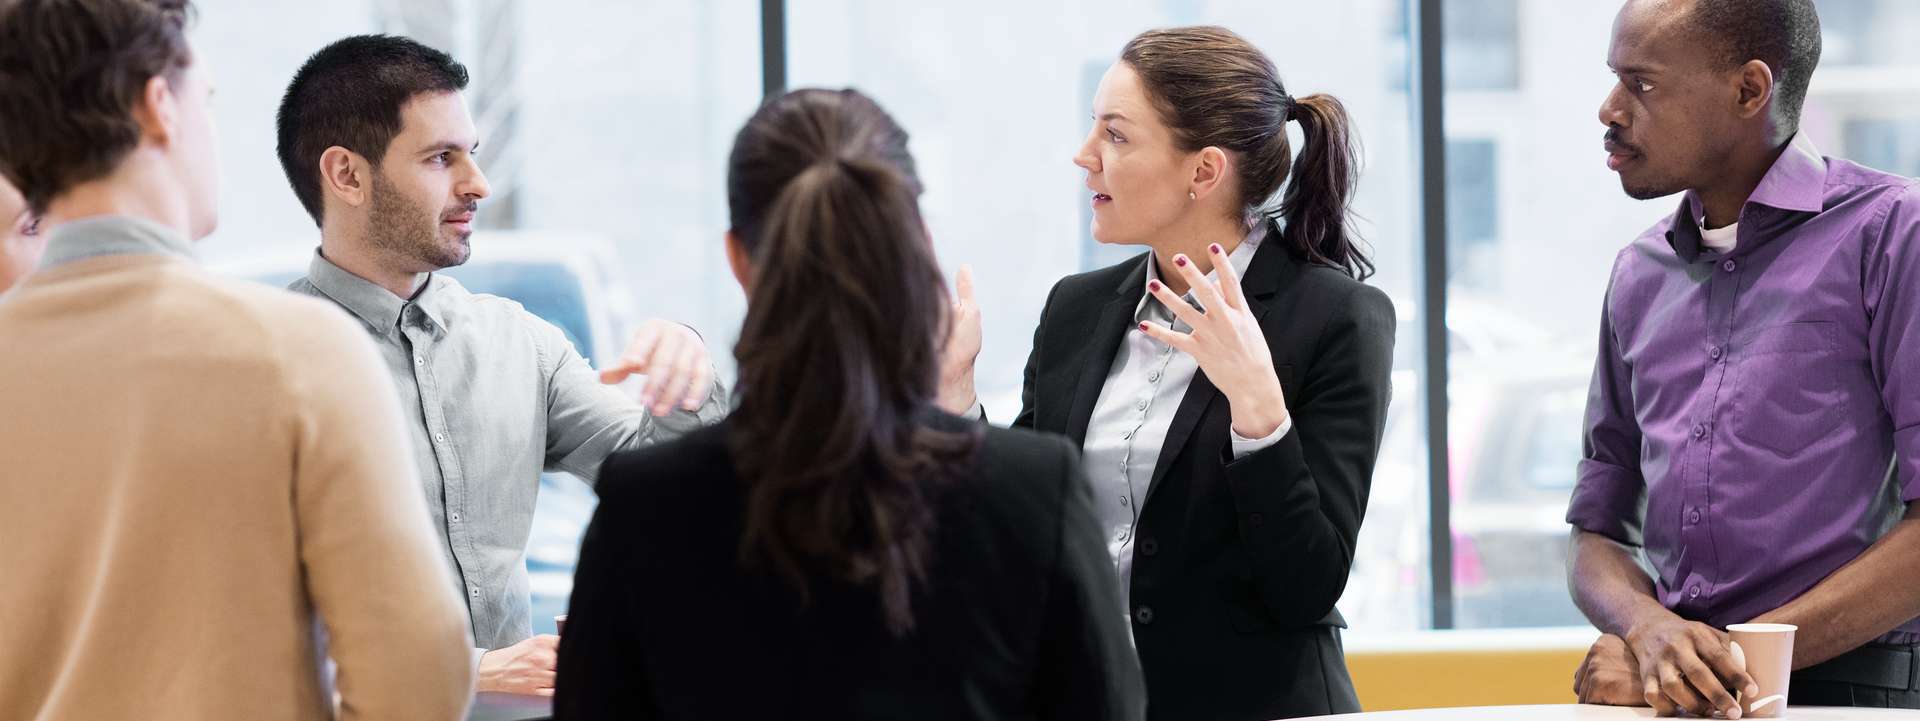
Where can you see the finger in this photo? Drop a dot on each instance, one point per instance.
(1229, 278)
(1713, 694)
(1731, 672)
(659, 369)
(642, 346)
(701, 388)
(1180, 341)
(1662, 706)
(1674, 684)
(963, 284)
(678, 387)
(1203, 290)
(1180, 307)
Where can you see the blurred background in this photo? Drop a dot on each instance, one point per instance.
(605, 126)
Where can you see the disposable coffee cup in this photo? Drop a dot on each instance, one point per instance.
(1766, 649)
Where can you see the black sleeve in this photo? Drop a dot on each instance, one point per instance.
(601, 673)
(1299, 501)
(1025, 419)
(1087, 666)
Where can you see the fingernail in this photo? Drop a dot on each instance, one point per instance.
(1153, 285)
(1180, 260)
(1215, 248)
(1143, 326)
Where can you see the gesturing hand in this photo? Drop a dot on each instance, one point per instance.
(674, 360)
(1227, 341)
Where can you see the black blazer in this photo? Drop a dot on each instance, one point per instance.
(1022, 618)
(1237, 564)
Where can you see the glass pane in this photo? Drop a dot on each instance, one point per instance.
(606, 159)
(997, 95)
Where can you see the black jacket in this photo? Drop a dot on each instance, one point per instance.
(1237, 564)
(1022, 618)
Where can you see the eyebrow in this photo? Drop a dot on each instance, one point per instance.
(1108, 117)
(450, 146)
(1633, 70)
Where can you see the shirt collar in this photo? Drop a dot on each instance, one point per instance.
(374, 305)
(1797, 182)
(112, 235)
(1240, 258)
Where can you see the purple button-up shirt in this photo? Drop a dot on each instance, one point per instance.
(1754, 422)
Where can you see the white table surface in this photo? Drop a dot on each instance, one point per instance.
(1600, 713)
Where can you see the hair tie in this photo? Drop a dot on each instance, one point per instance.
(1292, 107)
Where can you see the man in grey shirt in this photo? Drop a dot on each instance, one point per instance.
(376, 140)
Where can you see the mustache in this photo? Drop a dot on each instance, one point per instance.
(471, 206)
(1612, 139)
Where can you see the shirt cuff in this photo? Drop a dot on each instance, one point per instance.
(477, 653)
(977, 412)
(1243, 446)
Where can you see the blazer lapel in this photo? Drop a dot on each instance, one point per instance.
(1103, 339)
(1264, 273)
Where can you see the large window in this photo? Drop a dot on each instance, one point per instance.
(606, 127)
(998, 96)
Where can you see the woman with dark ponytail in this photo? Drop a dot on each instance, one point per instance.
(1229, 386)
(839, 547)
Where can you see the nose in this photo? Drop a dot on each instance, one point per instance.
(474, 186)
(1086, 158)
(1613, 110)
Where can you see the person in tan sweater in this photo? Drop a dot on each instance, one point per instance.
(207, 488)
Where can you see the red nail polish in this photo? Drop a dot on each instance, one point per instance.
(1180, 260)
(1215, 247)
(1143, 326)
(1153, 285)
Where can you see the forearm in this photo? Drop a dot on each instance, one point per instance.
(1866, 598)
(1609, 586)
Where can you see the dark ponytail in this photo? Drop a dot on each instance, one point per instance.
(839, 353)
(1215, 89)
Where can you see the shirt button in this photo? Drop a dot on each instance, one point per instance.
(419, 360)
(1153, 376)
(1729, 266)
(474, 593)
(1694, 591)
(1143, 615)
(1121, 535)
(1125, 501)
(1700, 430)
(456, 518)
(439, 438)
(1141, 404)
(1695, 516)
(1715, 352)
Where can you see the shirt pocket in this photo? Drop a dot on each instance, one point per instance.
(1786, 392)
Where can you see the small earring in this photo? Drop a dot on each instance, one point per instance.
(1191, 196)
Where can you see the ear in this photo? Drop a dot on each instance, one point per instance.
(1211, 169)
(1756, 88)
(741, 262)
(157, 112)
(346, 176)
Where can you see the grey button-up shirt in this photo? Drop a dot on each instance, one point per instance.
(493, 395)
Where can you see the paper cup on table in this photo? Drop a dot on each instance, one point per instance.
(1768, 651)
(560, 625)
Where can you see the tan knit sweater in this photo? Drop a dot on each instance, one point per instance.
(195, 474)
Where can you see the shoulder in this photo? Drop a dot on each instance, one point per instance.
(669, 475)
(1028, 474)
(1097, 284)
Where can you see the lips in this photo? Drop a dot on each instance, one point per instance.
(1619, 154)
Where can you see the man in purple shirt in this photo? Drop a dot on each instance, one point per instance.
(1751, 438)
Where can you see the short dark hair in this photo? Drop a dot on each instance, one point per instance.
(1784, 34)
(71, 74)
(350, 94)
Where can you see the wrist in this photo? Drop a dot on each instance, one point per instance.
(1260, 413)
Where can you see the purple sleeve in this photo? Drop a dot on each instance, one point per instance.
(1609, 496)
(1891, 282)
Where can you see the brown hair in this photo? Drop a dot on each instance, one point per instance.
(71, 74)
(839, 353)
(1215, 89)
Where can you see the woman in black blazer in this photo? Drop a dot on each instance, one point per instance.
(838, 548)
(1229, 387)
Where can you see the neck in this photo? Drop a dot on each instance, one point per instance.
(135, 190)
(1192, 237)
(1742, 173)
(351, 253)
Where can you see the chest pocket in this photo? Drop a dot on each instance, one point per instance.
(1787, 392)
